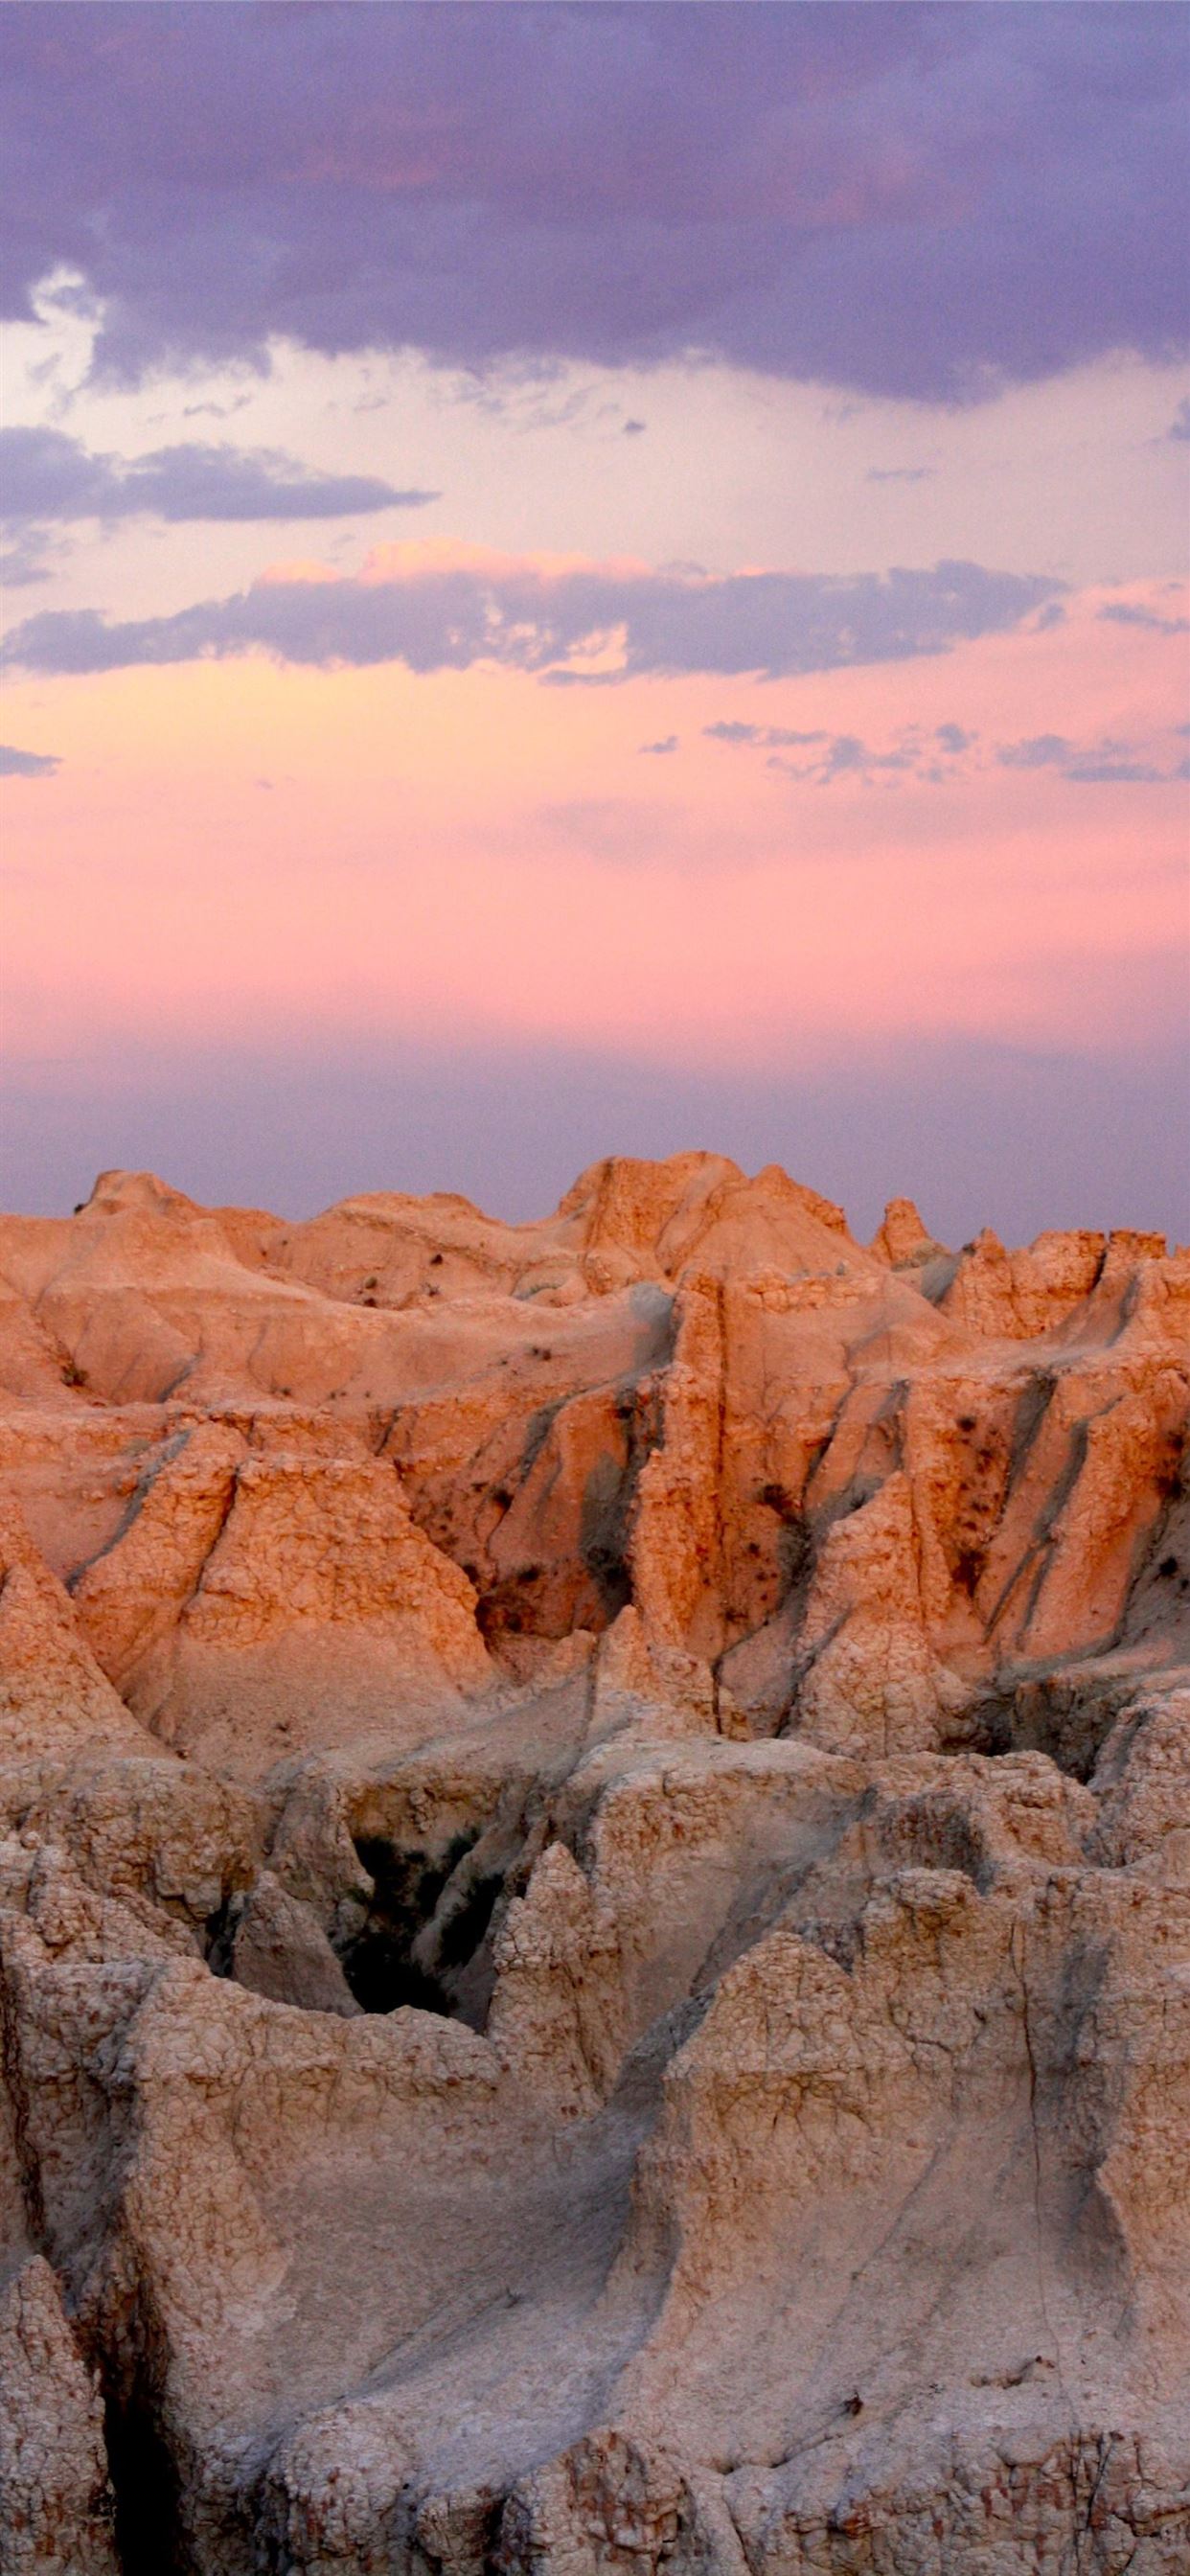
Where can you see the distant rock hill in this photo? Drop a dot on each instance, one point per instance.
(594, 1890)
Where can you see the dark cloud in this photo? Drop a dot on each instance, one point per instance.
(26, 764)
(46, 476)
(913, 200)
(670, 743)
(953, 738)
(900, 473)
(1179, 426)
(634, 428)
(446, 618)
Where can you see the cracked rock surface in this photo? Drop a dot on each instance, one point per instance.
(594, 1890)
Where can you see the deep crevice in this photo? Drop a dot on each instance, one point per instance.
(145, 2484)
(1066, 1716)
(413, 1949)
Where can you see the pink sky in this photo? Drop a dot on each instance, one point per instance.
(369, 848)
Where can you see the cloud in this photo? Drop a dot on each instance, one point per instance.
(46, 476)
(767, 737)
(215, 410)
(846, 756)
(900, 474)
(26, 560)
(1040, 751)
(906, 201)
(1130, 612)
(435, 613)
(670, 743)
(634, 428)
(914, 754)
(1102, 764)
(1179, 426)
(26, 764)
(1118, 773)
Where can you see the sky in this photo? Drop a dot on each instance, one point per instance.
(586, 579)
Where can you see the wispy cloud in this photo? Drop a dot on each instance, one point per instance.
(941, 755)
(1131, 612)
(28, 559)
(760, 737)
(47, 477)
(26, 764)
(434, 613)
(1102, 764)
(1037, 751)
(1118, 773)
(847, 756)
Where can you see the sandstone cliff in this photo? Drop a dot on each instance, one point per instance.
(594, 1890)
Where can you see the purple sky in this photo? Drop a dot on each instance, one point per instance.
(591, 577)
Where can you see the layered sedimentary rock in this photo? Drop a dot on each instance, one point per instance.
(594, 1890)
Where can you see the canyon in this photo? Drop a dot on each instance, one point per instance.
(594, 1890)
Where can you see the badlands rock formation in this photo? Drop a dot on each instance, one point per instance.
(595, 1891)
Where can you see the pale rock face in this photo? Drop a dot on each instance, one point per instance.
(53, 1695)
(594, 1890)
(873, 1684)
(57, 2509)
(279, 1949)
(131, 1596)
(676, 1533)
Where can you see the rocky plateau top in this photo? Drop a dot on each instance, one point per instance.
(594, 1890)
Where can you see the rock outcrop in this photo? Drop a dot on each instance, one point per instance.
(594, 1890)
